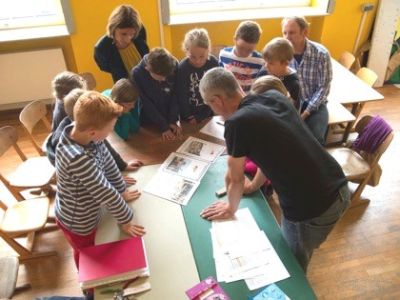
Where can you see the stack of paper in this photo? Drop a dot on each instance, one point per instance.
(242, 251)
(180, 174)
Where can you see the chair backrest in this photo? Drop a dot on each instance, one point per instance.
(8, 139)
(347, 59)
(367, 75)
(30, 116)
(359, 127)
(90, 80)
(373, 158)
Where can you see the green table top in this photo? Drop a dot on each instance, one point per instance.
(295, 287)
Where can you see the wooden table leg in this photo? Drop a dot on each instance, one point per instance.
(356, 109)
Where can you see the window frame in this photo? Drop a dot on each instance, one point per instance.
(215, 14)
(60, 24)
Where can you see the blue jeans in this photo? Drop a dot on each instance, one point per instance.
(305, 236)
(317, 122)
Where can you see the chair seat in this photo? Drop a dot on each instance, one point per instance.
(25, 216)
(8, 276)
(353, 165)
(22, 176)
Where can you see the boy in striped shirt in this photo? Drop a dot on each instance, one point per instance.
(242, 60)
(87, 176)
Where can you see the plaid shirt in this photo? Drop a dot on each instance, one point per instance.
(315, 75)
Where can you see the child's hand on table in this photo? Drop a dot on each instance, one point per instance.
(168, 135)
(131, 195)
(133, 165)
(133, 229)
(129, 180)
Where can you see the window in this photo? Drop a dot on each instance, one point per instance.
(195, 11)
(26, 19)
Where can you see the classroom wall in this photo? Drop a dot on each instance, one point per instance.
(340, 29)
(221, 33)
(59, 42)
(91, 18)
(337, 32)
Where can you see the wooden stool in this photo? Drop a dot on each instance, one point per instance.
(8, 277)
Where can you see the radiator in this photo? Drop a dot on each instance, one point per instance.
(27, 76)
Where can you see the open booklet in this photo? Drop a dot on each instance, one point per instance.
(180, 174)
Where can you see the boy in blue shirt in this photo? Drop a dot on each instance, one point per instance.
(277, 55)
(155, 78)
(243, 60)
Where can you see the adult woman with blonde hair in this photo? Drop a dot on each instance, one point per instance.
(124, 45)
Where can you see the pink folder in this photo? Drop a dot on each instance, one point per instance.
(208, 289)
(115, 261)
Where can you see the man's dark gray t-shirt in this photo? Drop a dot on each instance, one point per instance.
(267, 129)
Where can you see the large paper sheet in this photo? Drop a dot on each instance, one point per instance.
(171, 187)
(242, 251)
(215, 128)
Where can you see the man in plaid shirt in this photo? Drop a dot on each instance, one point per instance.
(313, 65)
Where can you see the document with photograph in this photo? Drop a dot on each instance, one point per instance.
(185, 166)
(201, 149)
(172, 187)
(242, 251)
(215, 128)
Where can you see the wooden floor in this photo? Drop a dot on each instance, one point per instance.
(360, 259)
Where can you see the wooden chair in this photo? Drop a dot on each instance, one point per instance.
(24, 218)
(8, 277)
(90, 80)
(30, 116)
(361, 168)
(347, 60)
(367, 75)
(338, 115)
(33, 172)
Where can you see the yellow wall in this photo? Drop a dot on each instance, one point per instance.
(340, 29)
(90, 19)
(222, 33)
(337, 32)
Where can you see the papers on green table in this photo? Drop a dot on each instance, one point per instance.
(215, 128)
(185, 166)
(201, 149)
(172, 187)
(242, 251)
(180, 174)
